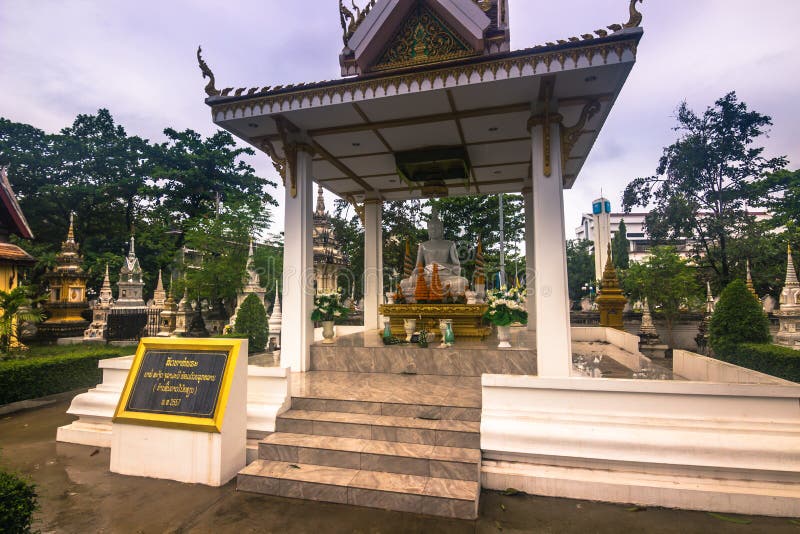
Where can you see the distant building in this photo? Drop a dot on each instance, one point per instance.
(640, 243)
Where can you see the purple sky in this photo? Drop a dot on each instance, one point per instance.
(59, 58)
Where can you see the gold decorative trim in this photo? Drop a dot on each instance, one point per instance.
(571, 134)
(351, 21)
(204, 68)
(360, 209)
(356, 90)
(635, 19)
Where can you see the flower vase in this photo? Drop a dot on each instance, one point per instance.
(503, 336)
(410, 326)
(449, 335)
(387, 330)
(328, 333)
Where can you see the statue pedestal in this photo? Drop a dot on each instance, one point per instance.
(467, 318)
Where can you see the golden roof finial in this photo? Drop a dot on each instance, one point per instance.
(635, 19)
(71, 231)
(210, 89)
(750, 286)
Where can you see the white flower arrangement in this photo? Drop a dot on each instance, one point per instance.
(328, 307)
(506, 306)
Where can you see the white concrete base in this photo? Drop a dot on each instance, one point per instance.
(705, 446)
(704, 369)
(95, 408)
(645, 489)
(268, 396)
(191, 456)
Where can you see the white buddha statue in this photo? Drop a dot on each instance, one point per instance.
(441, 252)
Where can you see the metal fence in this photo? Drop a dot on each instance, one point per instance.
(132, 325)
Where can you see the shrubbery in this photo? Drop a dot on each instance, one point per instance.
(774, 360)
(738, 318)
(34, 377)
(251, 321)
(17, 503)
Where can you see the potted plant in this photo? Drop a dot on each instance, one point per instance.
(328, 309)
(506, 307)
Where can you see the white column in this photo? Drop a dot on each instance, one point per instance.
(553, 351)
(298, 269)
(373, 256)
(530, 258)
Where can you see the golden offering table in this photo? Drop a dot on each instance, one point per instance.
(467, 318)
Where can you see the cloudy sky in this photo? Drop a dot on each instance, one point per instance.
(59, 58)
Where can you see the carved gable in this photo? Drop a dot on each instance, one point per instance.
(422, 38)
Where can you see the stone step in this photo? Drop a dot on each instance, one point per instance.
(425, 411)
(390, 491)
(370, 455)
(444, 432)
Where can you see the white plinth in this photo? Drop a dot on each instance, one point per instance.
(186, 455)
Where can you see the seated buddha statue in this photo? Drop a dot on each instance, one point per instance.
(441, 252)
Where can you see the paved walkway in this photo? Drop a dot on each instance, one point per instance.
(79, 495)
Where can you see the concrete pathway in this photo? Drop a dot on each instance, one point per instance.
(79, 495)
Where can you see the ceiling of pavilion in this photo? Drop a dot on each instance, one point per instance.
(357, 126)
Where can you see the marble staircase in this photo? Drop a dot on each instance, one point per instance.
(394, 441)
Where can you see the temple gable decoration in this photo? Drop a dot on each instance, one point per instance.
(422, 38)
(389, 35)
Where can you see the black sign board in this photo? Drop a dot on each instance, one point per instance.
(178, 382)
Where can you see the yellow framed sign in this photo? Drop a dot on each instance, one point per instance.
(179, 383)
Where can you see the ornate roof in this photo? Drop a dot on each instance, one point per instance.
(10, 213)
(559, 51)
(13, 253)
(479, 103)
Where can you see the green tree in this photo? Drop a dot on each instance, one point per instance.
(194, 177)
(18, 503)
(738, 318)
(580, 267)
(16, 306)
(468, 217)
(668, 283)
(115, 182)
(620, 247)
(220, 244)
(705, 180)
(780, 194)
(251, 321)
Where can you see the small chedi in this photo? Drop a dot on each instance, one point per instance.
(67, 299)
(789, 312)
(329, 259)
(130, 285)
(275, 322)
(252, 285)
(610, 300)
(100, 311)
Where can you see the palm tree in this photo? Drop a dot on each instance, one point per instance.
(16, 306)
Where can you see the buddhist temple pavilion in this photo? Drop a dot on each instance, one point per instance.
(434, 103)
